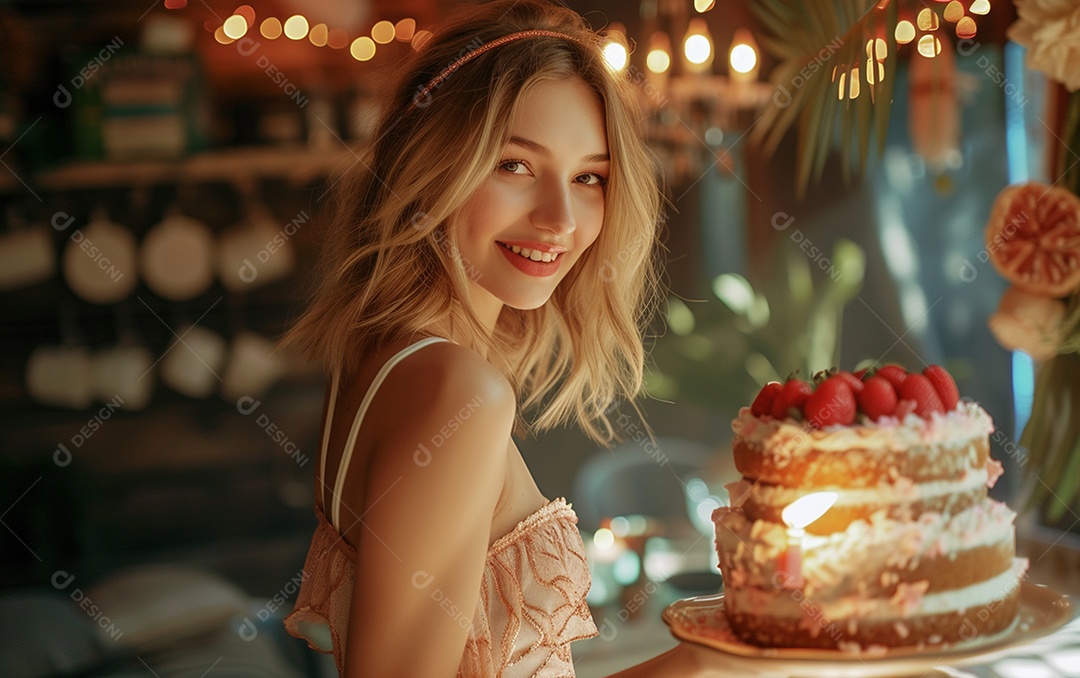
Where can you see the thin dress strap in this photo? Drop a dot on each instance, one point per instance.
(346, 456)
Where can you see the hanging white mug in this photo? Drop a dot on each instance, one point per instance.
(124, 374)
(61, 376)
(252, 369)
(255, 252)
(99, 261)
(193, 363)
(26, 258)
(177, 258)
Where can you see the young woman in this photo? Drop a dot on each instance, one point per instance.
(496, 249)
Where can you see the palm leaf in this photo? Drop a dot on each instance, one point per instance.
(802, 38)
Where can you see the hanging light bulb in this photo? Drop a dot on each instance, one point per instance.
(965, 28)
(382, 32)
(420, 39)
(954, 11)
(363, 48)
(702, 6)
(905, 32)
(697, 46)
(319, 35)
(404, 29)
(980, 7)
(658, 60)
(270, 28)
(929, 46)
(235, 27)
(927, 20)
(743, 57)
(247, 12)
(337, 38)
(616, 50)
(296, 27)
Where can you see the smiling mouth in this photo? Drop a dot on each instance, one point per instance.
(534, 255)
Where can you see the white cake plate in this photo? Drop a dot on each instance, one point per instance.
(701, 620)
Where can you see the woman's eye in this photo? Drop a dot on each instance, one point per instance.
(513, 166)
(592, 179)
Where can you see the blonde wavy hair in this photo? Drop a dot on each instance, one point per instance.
(391, 267)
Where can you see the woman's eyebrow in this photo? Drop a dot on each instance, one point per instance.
(546, 152)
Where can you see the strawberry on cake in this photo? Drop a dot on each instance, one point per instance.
(912, 552)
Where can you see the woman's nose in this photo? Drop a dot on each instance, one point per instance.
(555, 210)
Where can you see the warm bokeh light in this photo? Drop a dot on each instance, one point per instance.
(881, 49)
(363, 48)
(404, 29)
(877, 49)
(247, 12)
(296, 27)
(382, 32)
(221, 37)
(929, 46)
(337, 38)
(954, 11)
(616, 52)
(980, 7)
(318, 35)
(927, 20)
(697, 49)
(849, 86)
(235, 26)
(704, 5)
(875, 71)
(175, 4)
(697, 46)
(658, 61)
(905, 32)
(604, 538)
(805, 510)
(270, 28)
(420, 39)
(615, 55)
(965, 28)
(743, 58)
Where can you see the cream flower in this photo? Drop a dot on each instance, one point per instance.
(1050, 30)
(1029, 323)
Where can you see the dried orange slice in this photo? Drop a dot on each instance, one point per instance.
(1033, 238)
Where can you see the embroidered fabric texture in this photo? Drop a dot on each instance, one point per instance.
(531, 606)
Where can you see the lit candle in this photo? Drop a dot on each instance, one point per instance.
(797, 516)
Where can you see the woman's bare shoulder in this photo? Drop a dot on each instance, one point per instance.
(444, 388)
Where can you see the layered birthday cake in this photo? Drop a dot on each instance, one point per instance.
(902, 547)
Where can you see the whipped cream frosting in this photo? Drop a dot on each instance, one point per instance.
(750, 551)
(968, 421)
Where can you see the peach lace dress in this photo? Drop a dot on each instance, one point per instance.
(532, 598)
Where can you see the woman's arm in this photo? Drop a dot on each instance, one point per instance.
(423, 529)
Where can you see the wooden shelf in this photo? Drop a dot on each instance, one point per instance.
(296, 164)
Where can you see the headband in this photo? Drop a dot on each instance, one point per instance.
(424, 94)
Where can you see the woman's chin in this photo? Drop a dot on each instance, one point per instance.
(526, 303)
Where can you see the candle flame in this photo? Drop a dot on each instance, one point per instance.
(805, 510)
